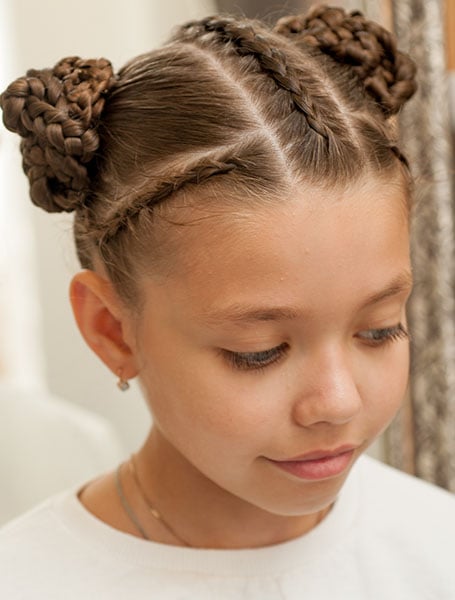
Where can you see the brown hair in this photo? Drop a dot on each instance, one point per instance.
(227, 102)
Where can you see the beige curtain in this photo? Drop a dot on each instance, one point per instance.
(422, 439)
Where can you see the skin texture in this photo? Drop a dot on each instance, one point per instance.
(324, 256)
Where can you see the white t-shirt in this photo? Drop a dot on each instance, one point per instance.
(388, 537)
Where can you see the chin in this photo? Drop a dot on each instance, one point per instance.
(298, 501)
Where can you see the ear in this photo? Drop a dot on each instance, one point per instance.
(103, 321)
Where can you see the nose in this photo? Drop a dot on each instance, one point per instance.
(327, 390)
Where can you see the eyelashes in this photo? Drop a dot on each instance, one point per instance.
(249, 361)
(377, 337)
(256, 361)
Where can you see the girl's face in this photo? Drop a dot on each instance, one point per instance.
(281, 334)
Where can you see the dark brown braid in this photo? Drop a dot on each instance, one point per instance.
(350, 38)
(272, 61)
(198, 174)
(56, 112)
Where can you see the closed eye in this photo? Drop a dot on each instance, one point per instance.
(246, 361)
(379, 337)
(249, 361)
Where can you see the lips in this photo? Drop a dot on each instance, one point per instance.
(321, 454)
(319, 464)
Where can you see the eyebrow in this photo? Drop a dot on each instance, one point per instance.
(244, 313)
(399, 285)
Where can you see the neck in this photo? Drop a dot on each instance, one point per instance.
(203, 513)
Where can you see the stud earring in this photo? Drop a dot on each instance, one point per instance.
(122, 384)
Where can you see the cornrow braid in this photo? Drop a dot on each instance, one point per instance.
(195, 175)
(241, 157)
(271, 60)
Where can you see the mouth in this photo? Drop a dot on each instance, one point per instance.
(319, 464)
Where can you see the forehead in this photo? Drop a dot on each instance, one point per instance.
(312, 247)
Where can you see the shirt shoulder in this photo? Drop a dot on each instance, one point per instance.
(405, 531)
(55, 546)
(383, 485)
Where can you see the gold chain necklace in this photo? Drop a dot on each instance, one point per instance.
(153, 511)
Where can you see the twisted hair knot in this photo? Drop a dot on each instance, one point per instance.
(56, 111)
(388, 74)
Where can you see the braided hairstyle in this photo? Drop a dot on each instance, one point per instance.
(56, 112)
(227, 103)
(370, 50)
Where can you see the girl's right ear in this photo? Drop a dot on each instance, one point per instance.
(104, 322)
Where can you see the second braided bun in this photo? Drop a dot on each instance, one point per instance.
(56, 111)
(388, 75)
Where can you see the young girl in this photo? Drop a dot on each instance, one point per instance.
(241, 216)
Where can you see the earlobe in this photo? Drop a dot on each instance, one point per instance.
(103, 322)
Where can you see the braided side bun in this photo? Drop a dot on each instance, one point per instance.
(387, 74)
(56, 111)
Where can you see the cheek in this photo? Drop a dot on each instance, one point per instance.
(205, 409)
(384, 385)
